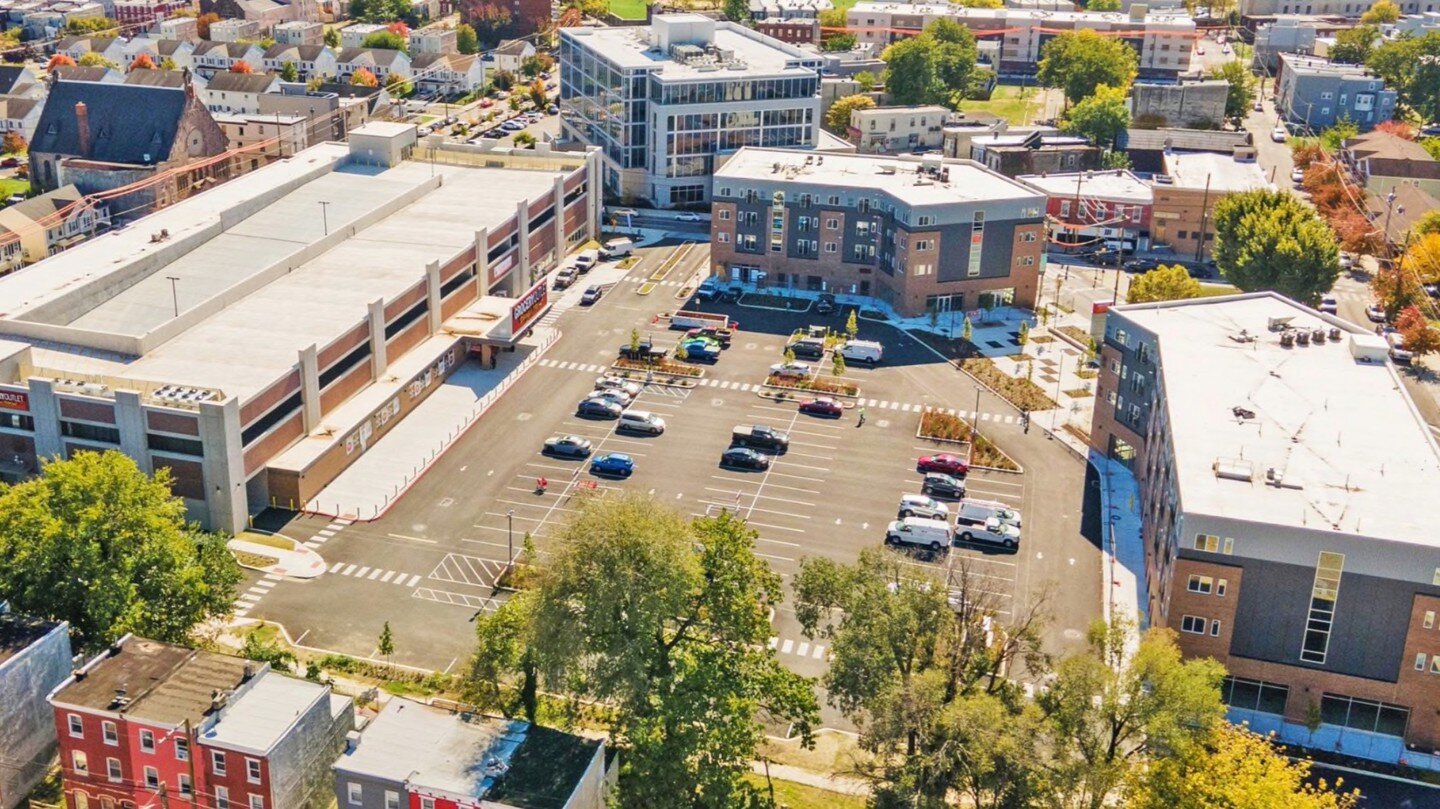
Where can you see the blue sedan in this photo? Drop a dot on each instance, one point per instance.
(613, 463)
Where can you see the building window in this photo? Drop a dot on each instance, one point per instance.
(1214, 627)
(1323, 594)
(724, 216)
(1220, 586)
(1364, 714)
(977, 242)
(1201, 584)
(1193, 624)
(184, 784)
(217, 762)
(152, 778)
(252, 770)
(724, 238)
(1420, 662)
(82, 800)
(79, 763)
(924, 244)
(222, 798)
(182, 748)
(1064, 208)
(77, 727)
(112, 770)
(1435, 664)
(354, 793)
(427, 803)
(1207, 542)
(832, 224)
(1429, 619)
(1253, 695)
(147, 741)
(392, 800)
(109, 734)
(257, 802)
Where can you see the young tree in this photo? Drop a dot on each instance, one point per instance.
(837, 118)
(866, 80)
(537, 94)
(1164, 283)
(96, 542)
(736, 10)
(911, 654)
(1081, 61)
(385, 646)
(837, 364)
(332, 37)
(1384, 11)
(1420, 337)
(14, 143)
(967, 330)
(59, 60)
(168, 64)
(1272, 240)
(1120, 702)
(396, 85)
(362, 77)
(1023, 336)
(1353, 45)
(93, 59)
(142, 62)
(465, 39)
(289, 72)
(1242, 87)
(663, 621)
(524, 140)
(1101, 116)
(852, 324)
(1234, 767)
(241, 66)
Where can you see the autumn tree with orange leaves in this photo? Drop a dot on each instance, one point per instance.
(143, 62)
(59, 60)
(1415, 329)
(364, 78)
(241, 66)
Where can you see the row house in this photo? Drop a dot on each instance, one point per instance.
(237, 93)
(179, 51)
(110, 48)
(236, 30)
(351, 36)
(216, 57)
(299, 32)
(152, 724)
(311, 61)
(44, 225)
(433, 39)
(380, 61)
(1096, 209)
(20, 114)
(448, 74)
(147, 12)
(176, 28)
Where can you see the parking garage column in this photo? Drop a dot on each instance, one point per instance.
(45, 409)
(310, 386)
(130, 422)
(559, 219)
(223, 465)
(482, 260)
(379, 360)
(520, 276)
(432, 297)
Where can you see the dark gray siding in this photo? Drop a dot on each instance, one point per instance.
(997, 250)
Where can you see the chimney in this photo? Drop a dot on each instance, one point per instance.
(82, 124)
(189, 85)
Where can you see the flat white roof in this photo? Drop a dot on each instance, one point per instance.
(1222, 173)
(968, 181)
(1018, 14)
(260, 717)
(632, 47)
(1110, 185)
(1353, 452)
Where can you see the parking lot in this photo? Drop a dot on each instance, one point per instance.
(430, 564)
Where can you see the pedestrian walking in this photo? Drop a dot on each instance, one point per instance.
(862, 418)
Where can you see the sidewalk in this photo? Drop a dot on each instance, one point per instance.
(386, 470)
(833, 783)
(300, 563)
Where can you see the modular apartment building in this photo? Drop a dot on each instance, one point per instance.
(147, 723)
(1287, 506)
(664, 103)
(924, 234)
(375, 276)
(897, 130)
(1314, 94)
(1163, 41)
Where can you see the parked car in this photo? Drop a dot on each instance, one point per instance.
(688, 216)
(720, 336)
(708, 290)
(10, 162)
(613, 463)
(1297, 175)
(645, 350)
(791, 370)
(943, 462)
(1140, 264)
(822, 406)
(977, 512)
(1279, 134)
(566, 277)
(617, 248)
(744, 458)
(619, 397)
(700, 350)
(552, 109)
(569, 446)
(640, 421)
(592, 294)
(586, 260)
(761, 436)
(869, 352)
(1347, 261)
(1375, 313)
(941, 485)
(993, 532)
(932, 534)
(1258, 106)
(599, 409)
(808, 347)
(825, 305)
(920, 505)
(1329, 305)
(1398, 352)
(487, 102)
(617, 383)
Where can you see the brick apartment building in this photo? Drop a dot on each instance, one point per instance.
(151, 724)
(1096, 208)
(920, 233)
(1286, 497)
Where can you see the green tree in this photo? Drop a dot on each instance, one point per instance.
(967, 329)
(981, 3)
(396, 85)
(465, 39)
(934, 67)
(332, 37)
(93, 59)
(96, 542)
(1164, 283)
(288, 72)
(1334, 136)
(917, 666)
(837, 118)
(91, 25)
(504, 671)
(1101, 116)
(502, 79)
(867, 81)
(524, 140)
(168, 64)
(1353, 45)
(1431, 145)
(1272, 240)
(266, 651)
(1121, 702)
(1023, 336)
(1103, 5)
(386, 40)
(736, 10)
(1242, 87)
(1411, 67)
(1235, 768)
(837, 364)
(837, 43)
(663, 620)
(1384, 11)
(1115, 160)
(386, 644)
(852, 324)
(535, 65)
(1430, 222)
(1078, 62)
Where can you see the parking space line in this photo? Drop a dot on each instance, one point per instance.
(793, 451)
(776, 527)
(778, 542)
(796, 477)
(754, 508)
(789, 464)
(772, 556)
(534, 532)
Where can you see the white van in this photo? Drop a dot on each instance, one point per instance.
(586, 260)
(932, 534)
(978, 512)
(993, 532)
(641, 421)
(866, 351)
(617, 248)
(923, 505)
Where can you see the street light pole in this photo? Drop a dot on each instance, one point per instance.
(325, 215)
(510, 539)
(174, 295)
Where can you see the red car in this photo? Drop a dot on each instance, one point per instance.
(822, 407)
(943, 462)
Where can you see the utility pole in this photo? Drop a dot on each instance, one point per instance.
(325, 215)
(1204, 217)
(174, 295)
(190, 759)
(1389, 208)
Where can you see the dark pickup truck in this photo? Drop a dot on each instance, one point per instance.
(761, 437)
(645, 351)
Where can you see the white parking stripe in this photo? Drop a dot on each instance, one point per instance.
(389, 574)
(359, 574)
(413, 581)
(347, 571)
(788, 645)
(336, 567)
(819, 651)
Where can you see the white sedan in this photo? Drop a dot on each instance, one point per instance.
(631, 389)
(1279, 134)
(688, 216)
(794, 370)
(1297, 176)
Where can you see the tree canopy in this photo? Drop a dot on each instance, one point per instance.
(465, 39)
(664, 621)
(837, 118)
(382, 11)
(386, 40)
(1384, 11)
(1101, 116)
(736, 10)
(1353, 45)
(289, 72)
(362, 77)
(1411, 67)
(935, 67)
(1242, 87)
(96, 542)
(1078, 62)
(1272, 240)
(1415, 329)
(1164, 283)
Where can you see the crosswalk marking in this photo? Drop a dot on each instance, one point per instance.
(335, 568)
(787, 646)
(347, 571)
(375, 574)
(388, 575)
(803, 649)
(263, 584)
(413, 581)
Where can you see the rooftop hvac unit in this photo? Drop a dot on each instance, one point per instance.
(1234, 469)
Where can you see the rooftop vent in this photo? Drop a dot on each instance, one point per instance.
(1279, 323)
(1234, 469)
(1242, 413)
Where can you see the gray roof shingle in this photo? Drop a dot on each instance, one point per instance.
(128, 123)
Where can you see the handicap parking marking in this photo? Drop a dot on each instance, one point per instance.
(469, 602)
(459, 568)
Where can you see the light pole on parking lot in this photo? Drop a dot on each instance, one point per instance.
(510, 538)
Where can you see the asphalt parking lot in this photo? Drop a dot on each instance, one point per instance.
(430, 564)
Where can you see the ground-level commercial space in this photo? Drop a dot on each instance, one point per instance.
(431, 562)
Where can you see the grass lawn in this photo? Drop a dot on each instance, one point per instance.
(9, 187)
(628, 9)
(1007, 103)
(800, 796)
(272, 540)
